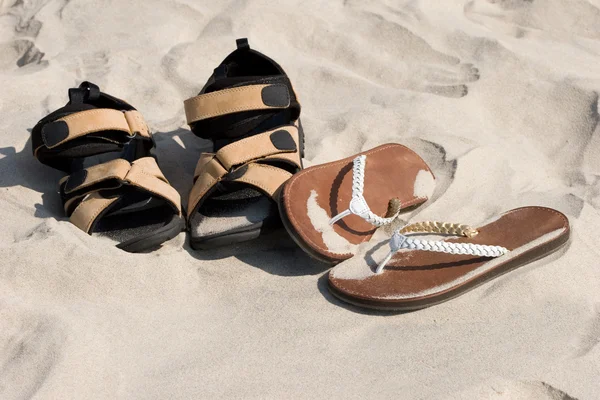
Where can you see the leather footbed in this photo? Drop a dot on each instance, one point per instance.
(392, 171)
(415, 279)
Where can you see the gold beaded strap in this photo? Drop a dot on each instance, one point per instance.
(445, 228)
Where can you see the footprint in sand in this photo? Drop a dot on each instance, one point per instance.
(220, 25)
(22, 51)
(19, 53)
(24, 13)
(555, 135)
(520, 17)
(379, 48)
(88, 66)
(30, 346)
(170, 66)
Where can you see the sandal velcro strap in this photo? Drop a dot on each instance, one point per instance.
(271, 143)
(146, 174)
(264, 177)
(237, 99)
(87, 212)
(79, 124)
(245, 161)
(83, 190)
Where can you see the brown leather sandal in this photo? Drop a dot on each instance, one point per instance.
(382, 181)
(420, 273)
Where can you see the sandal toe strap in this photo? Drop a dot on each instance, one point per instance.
(88, 193)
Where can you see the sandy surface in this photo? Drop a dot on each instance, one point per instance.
(500, 97)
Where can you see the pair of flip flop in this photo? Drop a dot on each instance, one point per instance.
(347, 213)
(115, 188)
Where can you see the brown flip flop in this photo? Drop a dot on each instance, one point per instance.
(420, 273)
(379, 182)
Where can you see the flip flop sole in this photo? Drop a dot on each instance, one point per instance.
(314, 195)
(407, 306)
(298, 239)
(415, 279)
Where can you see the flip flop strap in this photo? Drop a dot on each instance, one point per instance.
(358, 203)
(444, 228)
(400, 241)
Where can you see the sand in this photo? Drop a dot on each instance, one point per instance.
(499, 97)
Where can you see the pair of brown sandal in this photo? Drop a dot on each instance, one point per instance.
(347, 213)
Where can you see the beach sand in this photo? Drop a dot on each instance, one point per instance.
(499, 97)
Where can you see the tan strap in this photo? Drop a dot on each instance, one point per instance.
(143, 173)
(146, 174)
(238, 99)
(85, 122)
(280, 140)
(208, 172)
(267, 178)
(88, 210)
(136, 123)
(114, 169)
(205, 159)
(293, 158)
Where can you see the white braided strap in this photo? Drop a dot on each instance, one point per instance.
(399, 241)
(358, 204)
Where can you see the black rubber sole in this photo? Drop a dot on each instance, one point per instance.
(154, 239)
(533, 255)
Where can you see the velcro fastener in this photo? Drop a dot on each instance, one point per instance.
(280, 140)
(89, 209)
(237, 99)
(83, 123)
